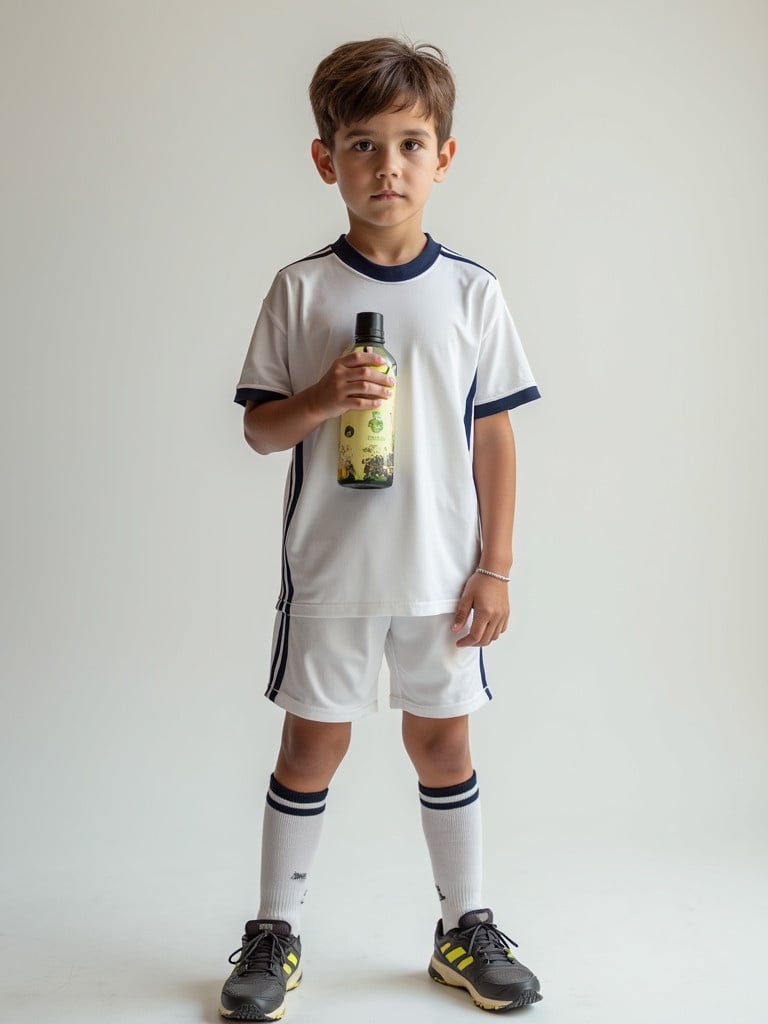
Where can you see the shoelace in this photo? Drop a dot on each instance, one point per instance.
(264, 952)
(489, 942)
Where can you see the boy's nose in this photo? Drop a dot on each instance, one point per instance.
(389, 165)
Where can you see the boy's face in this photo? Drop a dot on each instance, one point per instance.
(385, 168)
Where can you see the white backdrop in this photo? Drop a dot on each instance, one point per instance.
(611, 170)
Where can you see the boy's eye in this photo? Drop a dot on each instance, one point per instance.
(363, 146)
(412, 145)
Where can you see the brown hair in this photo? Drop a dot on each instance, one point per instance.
(361, 79)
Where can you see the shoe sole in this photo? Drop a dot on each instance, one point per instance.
(254, 1013)
(445, 976)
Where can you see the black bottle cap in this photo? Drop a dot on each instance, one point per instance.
(370, 326)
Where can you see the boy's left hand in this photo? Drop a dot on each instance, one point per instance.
(488, 599)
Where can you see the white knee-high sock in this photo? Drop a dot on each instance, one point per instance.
(292, 825)
(453, 830)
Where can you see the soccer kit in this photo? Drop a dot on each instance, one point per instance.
(407, 550)
(373, 574)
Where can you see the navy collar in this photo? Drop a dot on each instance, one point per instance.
(403, 272)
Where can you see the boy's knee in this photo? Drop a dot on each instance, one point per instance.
(310, 752)
(439, 749)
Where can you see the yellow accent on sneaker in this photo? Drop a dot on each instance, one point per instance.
(465, 963)
(293, 961)
(455, 954)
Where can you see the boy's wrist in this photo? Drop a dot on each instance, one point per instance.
(496, 564)
(493, 575)
(313, 404)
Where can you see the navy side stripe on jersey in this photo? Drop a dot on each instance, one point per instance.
(277, 669)
(297, 479)
(469, 410)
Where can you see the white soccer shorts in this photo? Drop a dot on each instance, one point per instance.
(327, 670)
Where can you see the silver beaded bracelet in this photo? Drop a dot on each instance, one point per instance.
(496, 575)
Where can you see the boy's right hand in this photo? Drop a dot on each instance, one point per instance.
(352, 382)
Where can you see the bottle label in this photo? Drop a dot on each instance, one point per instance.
(367, 444)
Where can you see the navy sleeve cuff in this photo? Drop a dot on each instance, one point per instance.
(243, 395)
(509, 402)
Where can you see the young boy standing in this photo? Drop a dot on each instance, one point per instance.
(434, 597)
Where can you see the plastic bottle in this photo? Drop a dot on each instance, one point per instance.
(367, 436)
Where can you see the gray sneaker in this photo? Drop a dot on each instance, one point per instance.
(267, 965)
(477, 956)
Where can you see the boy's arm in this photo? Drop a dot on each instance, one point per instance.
(281, 423)
(494, 467)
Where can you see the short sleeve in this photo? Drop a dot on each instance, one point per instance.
(504, 378)
(265, 375)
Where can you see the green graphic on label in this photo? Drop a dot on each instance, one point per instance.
(366, 451)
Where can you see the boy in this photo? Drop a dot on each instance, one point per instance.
(436, 593)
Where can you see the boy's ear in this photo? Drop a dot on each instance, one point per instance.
(444, 158)
(323, 161)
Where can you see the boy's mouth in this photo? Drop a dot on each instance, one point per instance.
(387, 194)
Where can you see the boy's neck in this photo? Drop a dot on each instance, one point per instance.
(388, 247)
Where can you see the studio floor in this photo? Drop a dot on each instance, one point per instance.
(620, 931)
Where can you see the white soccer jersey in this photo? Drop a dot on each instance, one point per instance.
(407, 549)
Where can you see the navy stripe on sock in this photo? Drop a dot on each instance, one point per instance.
(297, 812)
(451, 807)
(294, 796)
(290, 801)
(449, 798)
(463, 787)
